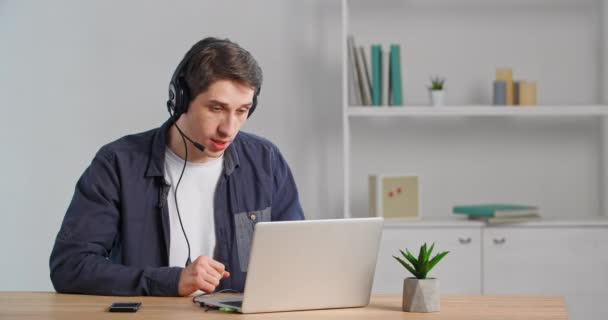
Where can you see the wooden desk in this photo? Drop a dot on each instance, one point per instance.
(44, 305)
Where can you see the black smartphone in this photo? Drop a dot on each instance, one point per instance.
(124, 306)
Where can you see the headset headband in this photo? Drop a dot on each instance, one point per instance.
(179, 95)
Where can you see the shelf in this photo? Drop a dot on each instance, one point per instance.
(460, 222)
(564, 138)
(445, 222)
(469, 111)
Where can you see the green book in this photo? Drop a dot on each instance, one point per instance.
(495, 210)
(395, 76)
(513, 219)
(376, 75)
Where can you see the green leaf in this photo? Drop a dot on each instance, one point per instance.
(407, 266)
(430, 252)
(410, 258)
(421, 254)
(425, 264)
(436, 260)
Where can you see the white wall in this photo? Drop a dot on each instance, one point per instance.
(75, 75)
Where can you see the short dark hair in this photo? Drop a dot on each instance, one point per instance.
(220, 59)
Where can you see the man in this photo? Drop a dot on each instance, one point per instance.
(171, 211)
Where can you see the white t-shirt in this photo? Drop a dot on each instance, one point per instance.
(195, 198)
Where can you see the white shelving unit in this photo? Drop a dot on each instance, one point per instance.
(474, 111)
(466, 149)
(563, 111)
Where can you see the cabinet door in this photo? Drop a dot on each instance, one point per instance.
(567, 261)
(459, 272)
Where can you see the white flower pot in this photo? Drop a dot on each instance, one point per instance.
(437, 97)
(421, 295)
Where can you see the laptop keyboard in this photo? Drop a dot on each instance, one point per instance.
(233, 303)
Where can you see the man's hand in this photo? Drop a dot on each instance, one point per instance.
(202, 274)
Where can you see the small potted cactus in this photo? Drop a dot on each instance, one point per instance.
(437, 91)
(420, 294)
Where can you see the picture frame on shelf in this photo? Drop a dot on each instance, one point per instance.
(394, 196)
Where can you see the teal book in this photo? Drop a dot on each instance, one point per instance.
(495, 210)
(376, 75)
(512, 219)
(395, 76)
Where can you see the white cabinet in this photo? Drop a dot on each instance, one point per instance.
(564, 261)
(568, 259)
(458, 271)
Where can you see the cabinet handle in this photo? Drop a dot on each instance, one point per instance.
(500, 241)
(464, 240)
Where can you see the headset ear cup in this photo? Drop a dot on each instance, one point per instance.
(182, 99)
(254, 104)
(171, 100)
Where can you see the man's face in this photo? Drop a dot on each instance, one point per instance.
(215, 116)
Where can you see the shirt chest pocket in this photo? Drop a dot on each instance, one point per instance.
(244, 223)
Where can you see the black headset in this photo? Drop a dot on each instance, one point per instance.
(179, 95)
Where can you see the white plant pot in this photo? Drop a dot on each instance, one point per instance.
(437, 97)
(421, 295)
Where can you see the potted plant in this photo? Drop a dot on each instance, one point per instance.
(437, 91)
(421, 294)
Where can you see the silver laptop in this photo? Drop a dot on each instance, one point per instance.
(311, 264)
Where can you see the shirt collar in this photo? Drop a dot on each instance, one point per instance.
(156, 160)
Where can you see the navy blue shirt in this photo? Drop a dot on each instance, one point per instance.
(114, 239)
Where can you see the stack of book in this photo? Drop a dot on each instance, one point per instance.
(377, 83)
(498, 213)
(513, 92)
